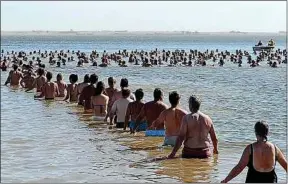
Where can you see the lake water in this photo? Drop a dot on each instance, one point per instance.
(52, 141)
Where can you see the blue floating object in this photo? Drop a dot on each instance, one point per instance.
(155, 133)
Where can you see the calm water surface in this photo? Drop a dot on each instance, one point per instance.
(53, 141)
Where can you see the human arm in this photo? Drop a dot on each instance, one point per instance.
(22, 83)
(42, 92)
(81, 97)
(139, 119)
(214, 139)
(180, 138)
(112, 112)
(240, 166)
(159, 120)
(127, 116)
(8, 80)
(68, 93)
(33, 86)
(281, 159)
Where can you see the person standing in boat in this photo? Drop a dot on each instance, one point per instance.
(271, 43)
(259, 43)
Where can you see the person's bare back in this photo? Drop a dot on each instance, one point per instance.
(50, 90)
(62, 88)
(99, 105)
(15, 78)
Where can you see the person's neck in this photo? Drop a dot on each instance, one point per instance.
(193, 112)
(261, 139)
(174, 106)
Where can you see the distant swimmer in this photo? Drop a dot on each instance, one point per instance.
(87, 93)
(72, 89)
(50, 89)
(151, 110)
(99, 102)
(171, 118)
(14, 76)
(194, 131)
(61, 85)
(133, 110)
(119, 108)
(260, 157)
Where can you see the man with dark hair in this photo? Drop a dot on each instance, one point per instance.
(118, 95)
(133, 111)
(151, 110)
(87, 93)
(119, 108)
(50, 89)
(194, 131)
(14, 76)
(171, 118)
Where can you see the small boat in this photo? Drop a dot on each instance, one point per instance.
(263, 48)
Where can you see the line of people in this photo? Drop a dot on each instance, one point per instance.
(126, 109)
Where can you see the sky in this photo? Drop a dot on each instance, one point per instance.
(265, 16)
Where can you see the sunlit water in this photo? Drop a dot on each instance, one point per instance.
(53, 141)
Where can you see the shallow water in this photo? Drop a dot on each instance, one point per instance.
(53, 141)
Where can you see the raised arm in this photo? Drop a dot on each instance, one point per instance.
(240, 166)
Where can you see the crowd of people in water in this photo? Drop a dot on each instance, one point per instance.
(126, 110)
(144, 58)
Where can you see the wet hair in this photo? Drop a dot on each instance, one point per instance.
(139, 94)
(124, 83)
(49, 76)
(93, 78)
(99, 88)
(261, 129)
(157, 94)
(111, 80)
(15, 67)
(73, 78)
(194, 103)
(59, 76)
(174, 98)
(40, 71)
(86, 78)
(125, 93)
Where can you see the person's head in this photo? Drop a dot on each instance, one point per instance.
(49, 76)
(139, 94)
(111, 82)
(158, 94)
(261, 130)
(86, 78)
(15, 67)
(194, 103)
(124, 83)
(40, 71)
(93, 78)
(99, 88)
(73, 78)
(174, 98)
(59, 77)
(125, 93)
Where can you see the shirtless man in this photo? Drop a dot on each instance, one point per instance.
(28, 80)
(72, 89)
(194, 131)
(133, 111)
(151, 110)
(171, 118)
(118, 95)
(87, 93)
(50, 89)
(39, 81)
(110, 91)
(14, 76)
(119, 108)
(83, 84)
(99, 102)
(61, 85)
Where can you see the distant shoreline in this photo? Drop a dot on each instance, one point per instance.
(103, 33)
